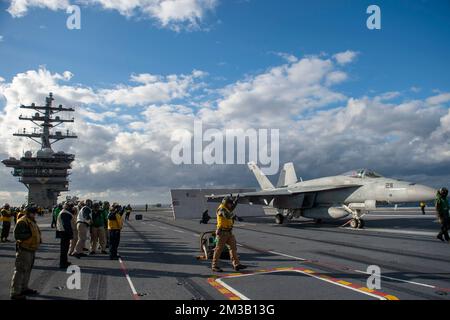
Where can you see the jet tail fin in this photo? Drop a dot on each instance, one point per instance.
(263, 181)
(287, 175)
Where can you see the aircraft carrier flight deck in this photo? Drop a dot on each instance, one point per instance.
(295, 260)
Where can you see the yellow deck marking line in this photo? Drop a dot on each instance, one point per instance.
(382, 276)
(233, 294)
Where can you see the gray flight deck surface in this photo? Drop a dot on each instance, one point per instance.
(323, 261)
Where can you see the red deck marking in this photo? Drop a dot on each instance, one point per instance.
(232, 296)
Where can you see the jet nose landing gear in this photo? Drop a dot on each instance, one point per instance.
(357, 223)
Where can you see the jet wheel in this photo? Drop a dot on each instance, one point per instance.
(354, 223)
(279, 218)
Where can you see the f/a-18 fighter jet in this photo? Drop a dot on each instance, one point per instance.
(353, 193)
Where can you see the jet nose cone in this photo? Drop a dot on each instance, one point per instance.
(421, 193)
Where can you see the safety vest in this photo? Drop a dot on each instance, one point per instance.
(20, 215)
(222, 221)
(115, 224)
(56, 212)
(84, 215)
(59, 223)
(6, 215)
(33, 242)
(442, 206)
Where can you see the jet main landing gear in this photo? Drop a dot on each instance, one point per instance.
(288, 214)
(279, 218)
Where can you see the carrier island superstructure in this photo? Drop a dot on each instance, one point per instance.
(45, 172)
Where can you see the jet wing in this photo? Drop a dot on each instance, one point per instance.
(264, 197)
(305, 189)
(261, 198)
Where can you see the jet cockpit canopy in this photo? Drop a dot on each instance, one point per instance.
(362, 173)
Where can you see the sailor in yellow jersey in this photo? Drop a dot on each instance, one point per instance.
(225, 222)
(6, 214)
(115, 225)
(28, 240)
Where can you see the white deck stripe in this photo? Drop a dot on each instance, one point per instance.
(237, 293)
(287, 255)
(359, 271)
(401, 280)
(299, 271)
(412, 232)
(133, 289)
(402, 216)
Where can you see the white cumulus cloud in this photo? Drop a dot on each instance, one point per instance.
(151, 89)
(439, 99)
(173, 14)
(18, 8)
(345, 57)
(124, 153)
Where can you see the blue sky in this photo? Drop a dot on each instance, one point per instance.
(264, 63)
(412, 49)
